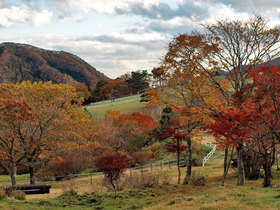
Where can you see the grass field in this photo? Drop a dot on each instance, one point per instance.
(127, 105)
(172, 196)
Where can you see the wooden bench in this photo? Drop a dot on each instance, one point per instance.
(29, 189)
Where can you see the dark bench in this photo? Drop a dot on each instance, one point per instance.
(29, 189)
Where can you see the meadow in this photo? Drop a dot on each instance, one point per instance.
(126, 105)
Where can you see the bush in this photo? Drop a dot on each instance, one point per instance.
(147, 180)
(139, 158)
(68, 165)
(2, 194)
(197, 160)
(165, 178)
(69, 190)
(197, 179)
(17, 194)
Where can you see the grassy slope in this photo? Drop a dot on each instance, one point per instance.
(127, 105)
(211, 196)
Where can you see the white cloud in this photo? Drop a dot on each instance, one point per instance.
(12, 14)
(39, 18)
(107, 6)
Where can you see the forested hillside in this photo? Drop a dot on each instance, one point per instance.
(20, 62)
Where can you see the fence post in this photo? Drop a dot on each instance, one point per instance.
(151, 167)
(130, 171)
(161, 165)
(90, 178)
(142, 170)
(169, 164)
(73, 179)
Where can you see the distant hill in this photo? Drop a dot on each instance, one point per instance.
(20, 62)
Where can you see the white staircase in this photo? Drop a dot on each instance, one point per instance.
(209, 155)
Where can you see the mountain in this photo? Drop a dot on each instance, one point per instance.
(20, 62)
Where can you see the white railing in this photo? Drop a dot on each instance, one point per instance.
(209, 155)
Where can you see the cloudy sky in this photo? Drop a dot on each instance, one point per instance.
(117, 36)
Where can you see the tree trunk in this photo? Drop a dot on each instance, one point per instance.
(13, 173)
(31, 173)
(240, 166)
(178, 165)
(276, 156)
(247, 163)
(225, 166)
(115, 192)
(189, 162)
(257, 162)
(114, 186)
(267, 171)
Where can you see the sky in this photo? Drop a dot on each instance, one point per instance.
(119, 36)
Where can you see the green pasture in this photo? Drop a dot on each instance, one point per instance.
(126, 105)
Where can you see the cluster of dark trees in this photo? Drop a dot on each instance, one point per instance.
(129, 83)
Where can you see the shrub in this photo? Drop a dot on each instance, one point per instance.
(165, 178)
(147, 180)
(17, 194)
(68, 165)
(69, 190)
(197, 179)
(139, 158)
(197, 159)
(2, 194)
(153, 110)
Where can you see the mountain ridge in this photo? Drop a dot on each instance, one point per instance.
(20, 62)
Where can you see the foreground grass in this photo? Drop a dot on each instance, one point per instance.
(126, 105)
(172, 196)
(212, 196)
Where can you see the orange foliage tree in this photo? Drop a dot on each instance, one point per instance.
(128, 132)
(82, 91)
(42, 118)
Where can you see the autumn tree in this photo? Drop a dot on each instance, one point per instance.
(187, 87)
(113, 166)
(265, 98)
(113, 88)
(128, 132)
(175, 146)
(13, 113)
(53, 109)
(243, 126)
(82, 91)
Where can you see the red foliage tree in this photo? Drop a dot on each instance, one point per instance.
(113, 166)
(176, 145)
(253, 120)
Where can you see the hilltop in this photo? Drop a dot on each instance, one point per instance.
(20, 62)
